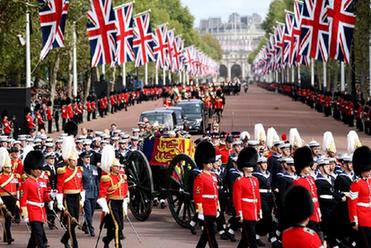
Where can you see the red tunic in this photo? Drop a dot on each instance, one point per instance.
(30, 123)
(205, 193)
(359, 203)
(7, 128)
(17, 166)
(34, 194)
(9, 182)
(49, 114)
(113, 186)
(246, 198)
(64, 112)
(69, 111)
(225, 154)
(310, 185)
(69, 181)
(302, 237)
(218, 103)
(88, 107)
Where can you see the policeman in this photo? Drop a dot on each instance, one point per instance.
(33, 196)
(205, 193)
(303, 160)
(113, 193)
(359, 203)
(298, 209)
(246, 197)
(9, 186)
(90, 179)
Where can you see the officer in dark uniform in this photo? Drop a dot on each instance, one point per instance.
(274, 165)
(50, 168)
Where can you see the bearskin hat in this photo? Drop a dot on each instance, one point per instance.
(34, 160)
(248, 157)
(70, 128)
(302, 158)
(361, 160)
(205, 153)
(298, 205)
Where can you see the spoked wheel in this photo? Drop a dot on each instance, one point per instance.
(140, 185)
(179, 192)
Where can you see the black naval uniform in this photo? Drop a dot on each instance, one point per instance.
(223, 200)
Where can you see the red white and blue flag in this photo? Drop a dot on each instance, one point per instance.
(279, 46)
(53, 15)
(143, 43)
(170, 42)
(341, 17)
(314, 30)
(188, 59)
(177, 54)
(161, 47)
(101, 32)
(125, 33)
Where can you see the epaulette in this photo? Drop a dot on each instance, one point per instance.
(61, 170)
(24, 177)
(82, 169)
(17, 176)
(48, 172)
(310, 231)
(105, 178)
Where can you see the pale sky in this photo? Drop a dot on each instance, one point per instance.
(202, 9)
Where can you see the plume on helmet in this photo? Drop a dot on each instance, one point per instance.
(108, 156)
(295, 139)
(4, 157)
(272, 136)
(328, 143)
(26, 150)
(259, 132)
(353, 141)
(68, 147)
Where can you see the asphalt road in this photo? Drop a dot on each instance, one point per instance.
(241, 113)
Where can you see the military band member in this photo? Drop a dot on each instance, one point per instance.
(9, 194)
(205, 193)
(359, 202)
(246, 197)
(298, 209)
(34, 194)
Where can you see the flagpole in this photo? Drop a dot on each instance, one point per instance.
(324, 76)
(312, 72)
(104, 72)
(170, 77)
(124, 74)
(292, 74)
(299, 76)
(146, 74)
(342, 77)
(184, 77)
(288, 75)
(28, 51)
(180, 76)
(74, 63)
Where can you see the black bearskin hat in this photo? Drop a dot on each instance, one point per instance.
(298, 205)
(34, 160)
(205, 153)
(302, 158)
(361, 160)
(248, 157)
(70, 128)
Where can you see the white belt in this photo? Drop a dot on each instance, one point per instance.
(327, 197)
(209, 196)
(265, 190)
(37, 204)
(249, 200)
(315, 199)
(364, 204)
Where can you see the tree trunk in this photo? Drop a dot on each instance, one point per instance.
(113, 78)
(53, 78)
(70, 72)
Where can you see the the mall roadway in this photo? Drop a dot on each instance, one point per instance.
(241, 113)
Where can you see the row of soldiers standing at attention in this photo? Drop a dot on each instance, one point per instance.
(253, 187)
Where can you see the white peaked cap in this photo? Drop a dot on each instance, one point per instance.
(353, 141)
(272, 137)
(244, 135)
(328, 143)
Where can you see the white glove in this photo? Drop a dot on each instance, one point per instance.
(51, 204)
(217, 214)
(53, 195)
(1, 201)
(26, 220)
(260, 214)
(201, 216)
(60, 202)
(82, 195)
(240, 216)
(103, 204)
(125, 206)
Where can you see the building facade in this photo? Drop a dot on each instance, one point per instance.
(239, 36)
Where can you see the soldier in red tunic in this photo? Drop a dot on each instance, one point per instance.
(30, 125)
(298, 208)
(359, 203)
(246, 197)
(7, 127)
(303, 161)
(205, 193)
(34, 194)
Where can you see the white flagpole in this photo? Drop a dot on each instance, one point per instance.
(312, 72)
(299, 76)
(156, 76)
(342, 77)
(184, 78)
(170, 77)
(293, 74)
(124, 74)
(287, 75)
(324, 76)
(28, 51)
(188, 78)
(163, 77)
(282, 76)
(74, 62)
(146, 74)
(104, 71)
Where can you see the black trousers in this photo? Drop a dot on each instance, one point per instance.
(114, 223)
(248, 235)
(50, 126)
(63, 122)
(364, 239)
(72, 205)
(88, 116)
(94, 115)
(10, 204)
(37, 238)
(56, 121)
(208, 233)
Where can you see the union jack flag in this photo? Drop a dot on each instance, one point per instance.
(101, 32)
(289, 39)
(188, 59)
(125, 33)
(53, 15)
(177, 54)
(279, 45)
(314, 30)
(342, 20)
(161, 48)
(170, 42)
(143, 40)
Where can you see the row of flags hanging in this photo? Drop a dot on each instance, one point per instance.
(117, 36)
(316, 29)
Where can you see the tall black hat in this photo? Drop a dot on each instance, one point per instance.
(70, 128)
(302, 158)
(298, 205)
(34, 160)
(361, 160)
(205, 153)
(248, 157)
